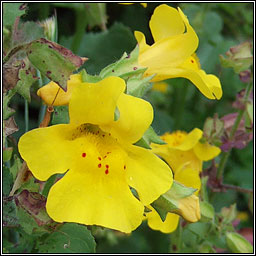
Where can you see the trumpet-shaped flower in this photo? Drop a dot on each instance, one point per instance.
(183, 148)
(96, 154)
(173, 53)
(189, 206)
(53, 94)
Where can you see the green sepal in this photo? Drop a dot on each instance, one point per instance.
(126, 67)
(149, 137)
(86, 78)
(138, 86)
(237, 243)
(169, 202)
(207, 211)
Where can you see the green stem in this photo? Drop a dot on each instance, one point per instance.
(241, 112)
(176, 239)
(81, 23)
(180, 102)
(26, 116)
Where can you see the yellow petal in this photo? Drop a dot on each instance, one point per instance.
(46, 150)
(166, 21)
(148, 174)
(136, 115)
(83, 196)
(141, 41)
(169, 225)
(205, 151)
(48, 92)
(208, 85)
(188, 177)
(190, 140)
(177, 158)
(189, 208)
(95, 103)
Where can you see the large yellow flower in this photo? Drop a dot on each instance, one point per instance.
(183, 148)
(189, 206)
(173, 53)
(98, 159)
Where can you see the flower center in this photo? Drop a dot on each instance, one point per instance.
(99, 150)
(174, 139)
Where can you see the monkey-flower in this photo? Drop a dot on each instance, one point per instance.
(185, 148)
(173, 53)
(95, 152)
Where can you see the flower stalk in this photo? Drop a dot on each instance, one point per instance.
(241, 112)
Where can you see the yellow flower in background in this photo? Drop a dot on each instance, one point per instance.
(98, 159)
(160, 87)
(185, 149)
(143, 4)
(173, 53)
(189, 207)
(49, 91)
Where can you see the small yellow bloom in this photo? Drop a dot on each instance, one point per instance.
(185, 149)
(98, 159)
(173, 53)
(188, 207)
(53, 94)
(143, 4)
(160, 86)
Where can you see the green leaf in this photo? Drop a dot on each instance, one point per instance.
(27, 32)
(53, 60)
(207, 211)
(11, 11)
(249, 111)
(95, 14)
(60, 115)
(68, 238)
(86, 78)
(200, 229)
(26, 79)
(48, 185)
(10, 214)
(7, 154)
(229, 213)
(26, 221)
(8, 181)
(16, 166)
(8, 112)
(237, 243)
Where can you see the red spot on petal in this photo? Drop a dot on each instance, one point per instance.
(107, 171)
(124, 167)
(99, 158)
(108, 152)
(104, 157)
(192, 61)
(107, 166)
(103, 135)
(84, 155)
(99, 165)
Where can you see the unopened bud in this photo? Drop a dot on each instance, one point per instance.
(237, 243)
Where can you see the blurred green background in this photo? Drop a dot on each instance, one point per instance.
(219, 26)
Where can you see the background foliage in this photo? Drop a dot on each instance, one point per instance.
(103, 39)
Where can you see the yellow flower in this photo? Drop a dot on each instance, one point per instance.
(188, 207)
(160, 86)
(185, 149)
(143, 4)
(173, 53)
(48, 92)
(98, 159)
